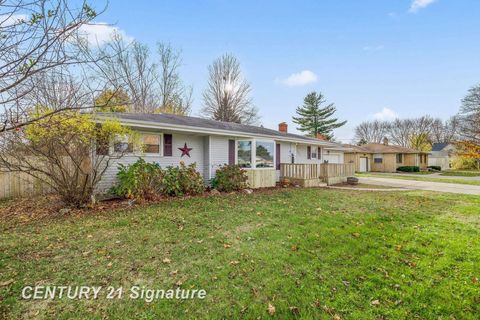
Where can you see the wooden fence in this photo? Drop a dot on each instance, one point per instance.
(330, 173)
(19, 184)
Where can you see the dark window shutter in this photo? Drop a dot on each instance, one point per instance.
(319, 153)
(231, 152)
(167, 145)
(309, 152)
(277, 157)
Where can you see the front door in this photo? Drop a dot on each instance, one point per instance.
(363, 164)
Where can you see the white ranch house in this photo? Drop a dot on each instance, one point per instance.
(267, 155)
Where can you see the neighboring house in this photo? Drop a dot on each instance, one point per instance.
(377, 157)
(442, 155)
(169, 139)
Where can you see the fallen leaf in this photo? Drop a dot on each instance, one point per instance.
(226, 245)
(375, 302)
(173, 273)
(166, 260)
(271, 309)
(6, 283)
(398, 247)
(356, 234)
(294, 248)
(293, 309)
(234, 262)
(89, 236)
(109, 264)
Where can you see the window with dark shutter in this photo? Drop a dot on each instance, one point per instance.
(167, 145)
(309, 152)
(231, 152)
(277, 157)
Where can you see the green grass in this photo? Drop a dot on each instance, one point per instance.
(311, 253)
(419, 178)
(459, 173)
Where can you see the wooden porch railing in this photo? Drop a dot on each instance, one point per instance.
(316, 171)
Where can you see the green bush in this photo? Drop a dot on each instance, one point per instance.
(139, 180)
(143, 180)
(436, 168)
(230, 178)
(409, 169)
(183, 180)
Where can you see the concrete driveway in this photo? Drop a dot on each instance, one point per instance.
(423, 185)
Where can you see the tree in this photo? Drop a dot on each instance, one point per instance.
(176, 98)
(37, 38)
(112, 101)
(420, 142)
(469, 119)
(227, 97)
(128, 66)
(57, 150)
(315, 119)
(371, 131)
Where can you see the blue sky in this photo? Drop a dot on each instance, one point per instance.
(372, 58)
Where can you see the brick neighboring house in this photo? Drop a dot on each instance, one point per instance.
(378, 157)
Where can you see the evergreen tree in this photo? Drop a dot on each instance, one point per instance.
(313, 118)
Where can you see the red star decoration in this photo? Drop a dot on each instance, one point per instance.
(185, 150)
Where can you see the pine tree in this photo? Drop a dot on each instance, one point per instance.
(314, 119)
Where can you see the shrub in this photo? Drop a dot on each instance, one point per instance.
(436, 168)
(409, 169)
(230, 178)
(182, 180)
(139, 180)
(143, 180)
(464, 163)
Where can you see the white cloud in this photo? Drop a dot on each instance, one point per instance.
(373, 48)
(11, 19)
(385, 114)
(420, 4)
(100, 32)
(300, 79)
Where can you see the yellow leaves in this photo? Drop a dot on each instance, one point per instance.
(166, 260)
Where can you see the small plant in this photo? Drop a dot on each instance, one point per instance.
(409, 169)
(230, 178)
(141, 180)
(182, 180)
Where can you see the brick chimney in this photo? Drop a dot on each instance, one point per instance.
(385, 141)
(321, 137)
(283, 127)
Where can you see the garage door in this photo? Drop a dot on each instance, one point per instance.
(333, 158)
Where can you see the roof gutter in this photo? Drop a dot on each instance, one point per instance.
(192, 129)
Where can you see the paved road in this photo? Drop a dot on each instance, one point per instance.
(433, 175)
(423, 185)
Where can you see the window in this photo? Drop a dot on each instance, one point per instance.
(319, 153)
(122, 145)
(309, 152)
(264, 154)
(151, 143)
(167, 145)
(244, 154)
(314, 153)
(378, 158)
(399, 158)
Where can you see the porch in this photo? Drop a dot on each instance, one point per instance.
(316, 174)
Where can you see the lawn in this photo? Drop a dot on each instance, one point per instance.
(419, 178)
(309, 253)
(460, 173)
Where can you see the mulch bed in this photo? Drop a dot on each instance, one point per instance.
(43, 208)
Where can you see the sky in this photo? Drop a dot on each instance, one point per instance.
(375, 59)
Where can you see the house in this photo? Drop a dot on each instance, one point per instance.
(169, 139)
(378, 157)
(442, 155)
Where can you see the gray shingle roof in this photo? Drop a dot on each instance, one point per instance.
(206, 124)
(439, 146)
